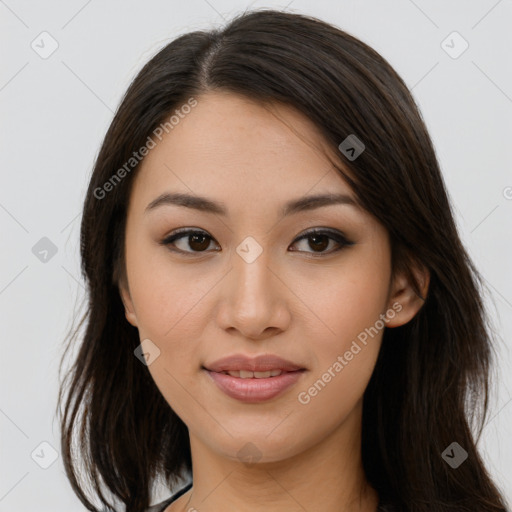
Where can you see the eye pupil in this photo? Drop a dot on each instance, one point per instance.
(193, 239)
(317, 244)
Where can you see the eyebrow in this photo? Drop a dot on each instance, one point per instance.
(291, 207)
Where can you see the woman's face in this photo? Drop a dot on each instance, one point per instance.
(248, 284)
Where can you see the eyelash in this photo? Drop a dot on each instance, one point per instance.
(332, 235)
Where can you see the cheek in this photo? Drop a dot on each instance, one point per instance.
(164, 293)
(347, 304)
(348, 298)
(344, 361)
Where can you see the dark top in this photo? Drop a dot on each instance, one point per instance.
(160, 507)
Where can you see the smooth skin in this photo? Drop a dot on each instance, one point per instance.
(300, 300)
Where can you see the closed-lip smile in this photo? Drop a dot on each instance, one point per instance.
(253, 379)
(261, 363)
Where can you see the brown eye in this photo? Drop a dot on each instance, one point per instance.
(191, 241)
(198, 242)
(319, 240)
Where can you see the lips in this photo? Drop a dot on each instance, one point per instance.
(254, 379)
(261, 363)
(246, 374)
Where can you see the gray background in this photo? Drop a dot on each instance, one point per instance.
(55, 111)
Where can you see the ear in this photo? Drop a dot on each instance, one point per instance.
(403, 299)
(128, 303)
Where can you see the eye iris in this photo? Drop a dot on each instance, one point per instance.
(316, 244)
(203, 244)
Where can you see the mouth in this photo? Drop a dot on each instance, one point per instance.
(257, 365)
(247, 374)
(254, 387)
(253, 379)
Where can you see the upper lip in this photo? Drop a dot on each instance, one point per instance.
(261, 363)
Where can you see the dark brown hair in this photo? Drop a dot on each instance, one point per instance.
(431, 382)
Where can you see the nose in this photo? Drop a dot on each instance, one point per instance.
(254, 300)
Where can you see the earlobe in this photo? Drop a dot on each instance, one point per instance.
(128, 304)
(404, 300)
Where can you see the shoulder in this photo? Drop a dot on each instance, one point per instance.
(160, 507)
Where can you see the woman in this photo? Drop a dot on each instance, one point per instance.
(280, 307)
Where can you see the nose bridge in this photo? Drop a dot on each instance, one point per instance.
(251, 279)
(253, 300)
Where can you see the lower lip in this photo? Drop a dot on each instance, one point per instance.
(254, 390)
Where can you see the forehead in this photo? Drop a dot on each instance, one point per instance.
(236, 149)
